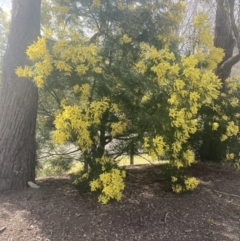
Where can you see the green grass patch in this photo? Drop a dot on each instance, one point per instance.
(124, 160)
(58, 167)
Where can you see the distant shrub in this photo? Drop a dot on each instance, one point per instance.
(53, 166)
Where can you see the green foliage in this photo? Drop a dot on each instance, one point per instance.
(53, 166)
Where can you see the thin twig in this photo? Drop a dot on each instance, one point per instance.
(178, 219)
(235, 204)
(58, 154)
(165, 218)
(2, 229)
(232, 195)
(135, 176)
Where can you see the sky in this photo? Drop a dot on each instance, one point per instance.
(5, 4)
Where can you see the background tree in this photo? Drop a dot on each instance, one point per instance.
(18, 100)
(218, 143)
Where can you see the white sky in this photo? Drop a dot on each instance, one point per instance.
(6, 4)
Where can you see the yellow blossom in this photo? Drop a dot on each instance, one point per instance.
(96, 3)
(224, 137)
(125, 39)
(177, 188)
(173, 179)
(191, 183)
(110, 184)
(215, 126)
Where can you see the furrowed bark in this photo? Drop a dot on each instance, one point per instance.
(18, 100)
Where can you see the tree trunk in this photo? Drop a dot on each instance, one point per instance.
(224, 38)
(18, 100)
(132, 152)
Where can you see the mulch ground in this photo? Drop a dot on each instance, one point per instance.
(148, 210)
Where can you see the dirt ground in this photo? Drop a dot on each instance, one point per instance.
(148, 211)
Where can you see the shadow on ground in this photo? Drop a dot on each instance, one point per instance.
(147, 211)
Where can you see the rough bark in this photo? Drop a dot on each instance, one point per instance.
(226, 37)
(18, 100)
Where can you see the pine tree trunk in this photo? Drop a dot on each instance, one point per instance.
(224, 38)
(18, 100)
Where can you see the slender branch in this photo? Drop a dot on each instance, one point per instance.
(145, 159)
(92, 91)
(139, 178)
(95, 36)
(52, 93)
(42, 110)
(59, 154)
(95, 20)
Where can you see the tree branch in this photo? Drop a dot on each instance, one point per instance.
(58, 154)
(229, 63)
(95, 36)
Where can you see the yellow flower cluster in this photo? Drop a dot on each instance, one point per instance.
(61, 9)
(188, 157)
(146, 97)
(43, 67)
(237, 164)
(96, 3)
(155, 147)
(215, 126)
(177, 188)
(205, 50)
(125, 39)
(67, 56)
(119, 127)
(104, 161)
(230, 156)
(203, 35)
(231, 130)
(84, 91)
(190, 183)
(78, 119)
(188, 88)
(110, 184)
(173, 179)
(120, 5)
(160, 146)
